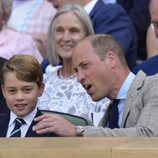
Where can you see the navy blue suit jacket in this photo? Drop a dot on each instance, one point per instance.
(138, 10)
(4, 121)
(150, 66)
(112, 19)
(3, 105)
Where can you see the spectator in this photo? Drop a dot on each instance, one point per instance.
(110, 19)
(137, 107)
(62, 92)
(32, 17)
(12, 42)
(22, 84)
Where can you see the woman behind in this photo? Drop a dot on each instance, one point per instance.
(12, 42)
(62, 92)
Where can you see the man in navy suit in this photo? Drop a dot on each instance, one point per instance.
(150, 66)
(110, 19)
(22, 84)
(3, 105)
(138, 11)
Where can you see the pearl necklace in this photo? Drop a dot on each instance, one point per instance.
(65, 78)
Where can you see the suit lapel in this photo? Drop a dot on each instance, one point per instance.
(132, 94)
(4, 121)
(30, 132)
(96, 8)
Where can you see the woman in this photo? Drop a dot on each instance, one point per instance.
(12, 42)
(62, 92)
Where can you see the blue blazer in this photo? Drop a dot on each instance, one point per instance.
(141, 19)
(4, 121)
(149, 66)
(112, 19)
(3, 105)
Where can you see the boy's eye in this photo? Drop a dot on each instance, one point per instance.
(11, 91)
(27, 90)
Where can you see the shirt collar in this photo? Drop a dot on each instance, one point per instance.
(88, 8)
(125, 87)
(28, 119)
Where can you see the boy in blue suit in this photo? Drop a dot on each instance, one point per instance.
(22, 84)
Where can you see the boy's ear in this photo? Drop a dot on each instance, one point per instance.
(41, 88)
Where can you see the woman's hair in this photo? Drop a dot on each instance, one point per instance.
(26, 68)
(53, 57)
(6, 8)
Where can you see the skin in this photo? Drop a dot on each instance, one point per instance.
(93, 73)
(68, 32)
(21, 96)
(154, 15)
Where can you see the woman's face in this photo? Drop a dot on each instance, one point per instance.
(68, 32)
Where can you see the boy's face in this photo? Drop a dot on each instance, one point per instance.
(21, 96)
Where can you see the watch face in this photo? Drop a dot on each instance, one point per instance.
(80, 131)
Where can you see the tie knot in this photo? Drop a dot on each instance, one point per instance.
(19, 122)
(115, 102)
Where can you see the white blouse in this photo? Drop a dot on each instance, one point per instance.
(68, 96)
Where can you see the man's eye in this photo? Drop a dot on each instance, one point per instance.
(85, 65)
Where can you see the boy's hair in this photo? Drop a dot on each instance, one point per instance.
(26, 68)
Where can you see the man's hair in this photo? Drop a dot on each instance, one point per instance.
(53, 56)
(26, 68)
(104, 43)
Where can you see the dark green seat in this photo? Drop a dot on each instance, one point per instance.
(76, 120)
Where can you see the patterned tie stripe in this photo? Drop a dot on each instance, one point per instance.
(16, 131)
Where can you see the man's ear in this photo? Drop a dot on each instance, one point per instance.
(111, 58)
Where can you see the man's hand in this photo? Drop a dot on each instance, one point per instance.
(48, 123)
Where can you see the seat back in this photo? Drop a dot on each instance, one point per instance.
(76, 120)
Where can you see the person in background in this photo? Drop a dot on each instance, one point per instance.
(22, 84)
(109, 19)
(63, 92)
(3, 105)
(32, 17)
(150, 65)
(12, 42)
(138, 11)
(136, 97)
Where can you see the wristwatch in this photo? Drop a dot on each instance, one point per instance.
(80, 131)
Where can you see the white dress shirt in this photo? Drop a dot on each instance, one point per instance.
(24, 128)
(122, 94)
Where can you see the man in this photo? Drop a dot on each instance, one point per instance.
(3, 105)
(150, 66)
(102, 70)
(32, 17)
(109, 19)
(137, 10)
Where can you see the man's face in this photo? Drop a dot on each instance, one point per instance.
(59, 3)
(21, 96)
(93, 73)
(154, 15)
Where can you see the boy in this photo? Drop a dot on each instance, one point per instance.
(22, 84)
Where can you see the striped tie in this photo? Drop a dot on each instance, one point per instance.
(16, 131)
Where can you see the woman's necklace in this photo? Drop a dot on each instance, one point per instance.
(65, 78)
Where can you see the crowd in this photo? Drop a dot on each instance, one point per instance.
(91, 59)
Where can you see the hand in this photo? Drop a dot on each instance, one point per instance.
(49, 123)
